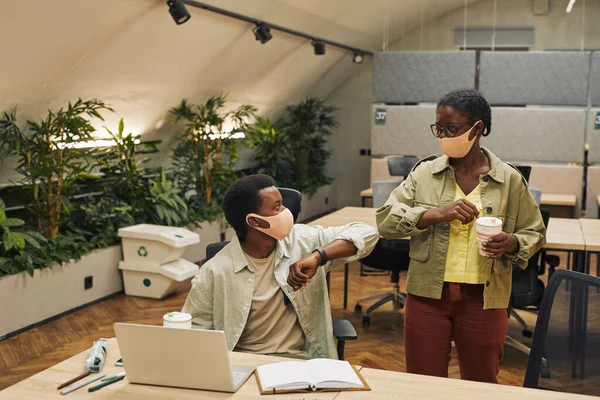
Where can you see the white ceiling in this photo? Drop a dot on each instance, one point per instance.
(131, 54)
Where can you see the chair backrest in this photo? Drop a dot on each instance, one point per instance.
(382, 191)
(292, 199)
(526, 290)
(565, 351)
(537, 195)
(401, 165)
(525, 170)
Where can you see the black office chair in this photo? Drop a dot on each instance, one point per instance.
(401, 165)
(527, 292)
(388, 255)
(525, 170)
(342, 328)
(565, 352)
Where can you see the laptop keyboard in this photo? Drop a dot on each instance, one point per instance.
(238, 377)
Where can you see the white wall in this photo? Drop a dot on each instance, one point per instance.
(557, 30)
(351, 170)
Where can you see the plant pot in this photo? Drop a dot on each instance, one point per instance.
(26, 300)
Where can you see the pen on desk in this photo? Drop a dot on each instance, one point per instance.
(108, 378)
(100, 386)
(67, 383)
(82, 384)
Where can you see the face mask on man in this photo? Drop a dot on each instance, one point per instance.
(459, 146)
(280, 225)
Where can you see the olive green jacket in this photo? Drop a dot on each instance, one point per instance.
(432, 184)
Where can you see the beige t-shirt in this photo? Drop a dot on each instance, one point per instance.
(272, 327)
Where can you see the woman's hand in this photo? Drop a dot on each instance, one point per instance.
(501, 244)
(462, 210)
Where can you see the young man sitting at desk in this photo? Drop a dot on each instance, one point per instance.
(249, 289)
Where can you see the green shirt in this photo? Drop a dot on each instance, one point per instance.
(222, 291)
(432, 184)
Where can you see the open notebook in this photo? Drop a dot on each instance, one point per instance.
(313, 375)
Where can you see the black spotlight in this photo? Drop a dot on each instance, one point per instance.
(262, 33)
(358, 57)
(319, 47)
(178, 11)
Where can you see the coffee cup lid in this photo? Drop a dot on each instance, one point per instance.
(489, 221)
(177, 316)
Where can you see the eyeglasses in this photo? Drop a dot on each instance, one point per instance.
(449, 130)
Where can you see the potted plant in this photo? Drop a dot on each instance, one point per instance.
(50, 158)
(206, 153)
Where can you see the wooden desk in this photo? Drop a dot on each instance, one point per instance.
(43, 385)
(399, 385)
(560, 200)
(565, 235)
(564, 200)
(364, 195)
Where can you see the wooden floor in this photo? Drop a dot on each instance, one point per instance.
(379, 345)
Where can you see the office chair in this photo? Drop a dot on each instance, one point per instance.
(401, 165)
(388, 255)
(565, 351)
(397, 166)
(527, 292)
(342, 328)
(525, 170)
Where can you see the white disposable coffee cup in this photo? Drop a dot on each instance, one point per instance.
(177, 320)
(487, 227)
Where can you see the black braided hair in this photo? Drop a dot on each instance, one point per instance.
(472, 104)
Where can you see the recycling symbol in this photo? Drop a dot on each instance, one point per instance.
(142, 252)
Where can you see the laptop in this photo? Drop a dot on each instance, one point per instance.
(184, 358)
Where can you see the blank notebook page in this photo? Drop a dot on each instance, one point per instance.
(333, 371)
(291, 374)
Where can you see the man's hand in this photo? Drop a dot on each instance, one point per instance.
(303, 270)
(501, 244)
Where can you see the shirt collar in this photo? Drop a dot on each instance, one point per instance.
(239, 259)
(496, 171)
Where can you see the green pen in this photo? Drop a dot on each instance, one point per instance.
(100, 386)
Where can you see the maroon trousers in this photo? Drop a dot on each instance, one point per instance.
(479, 335)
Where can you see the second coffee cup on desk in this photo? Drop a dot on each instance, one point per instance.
(486, 228)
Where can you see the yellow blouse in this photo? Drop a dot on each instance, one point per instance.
(464, 264)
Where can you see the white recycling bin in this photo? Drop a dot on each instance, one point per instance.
(156, 281)
(152, 266)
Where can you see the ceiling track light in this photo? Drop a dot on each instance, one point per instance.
(262, 33)
(178, 11)
(319, 47)
(358, 57)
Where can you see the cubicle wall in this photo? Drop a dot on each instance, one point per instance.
(547, 78)
(544, 106)
(418, 77)
(524, 134)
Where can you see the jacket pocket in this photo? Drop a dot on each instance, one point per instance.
(501, 266)
(420, 246)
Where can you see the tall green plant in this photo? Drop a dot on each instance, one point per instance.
(124, 177)
(50, 158)
(308, 124)
(126, 182)
(272, 151)
(206, 153)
